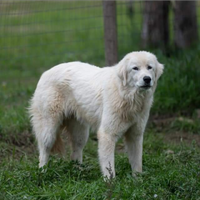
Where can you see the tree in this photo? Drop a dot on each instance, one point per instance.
(130, 8)
(155, 30)
(185, 23)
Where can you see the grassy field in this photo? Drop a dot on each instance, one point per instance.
(36, 36)
(170, 172)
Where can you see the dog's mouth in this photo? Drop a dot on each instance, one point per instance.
(145, 87)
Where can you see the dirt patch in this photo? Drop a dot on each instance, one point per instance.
(17, 145)
(177, 129)
(179, 137)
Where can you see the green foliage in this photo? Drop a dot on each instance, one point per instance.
(178, 89)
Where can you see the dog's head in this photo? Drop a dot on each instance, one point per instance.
(140, 69)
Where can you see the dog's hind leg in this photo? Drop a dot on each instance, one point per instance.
(46, 131)
(78, 135)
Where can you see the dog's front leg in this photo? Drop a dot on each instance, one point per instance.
(134, 145)
(106, 151)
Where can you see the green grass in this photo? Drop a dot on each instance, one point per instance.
(171, 171)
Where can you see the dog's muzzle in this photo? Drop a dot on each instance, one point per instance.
(147, 82)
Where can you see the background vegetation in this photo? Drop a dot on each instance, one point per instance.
(172, 139)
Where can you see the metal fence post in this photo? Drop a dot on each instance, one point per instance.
(110, 32)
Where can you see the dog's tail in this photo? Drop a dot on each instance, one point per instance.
(58, 147)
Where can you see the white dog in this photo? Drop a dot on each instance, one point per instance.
(113, 100)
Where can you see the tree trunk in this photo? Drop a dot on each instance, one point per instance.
(110, 32)
(130, 8)
(185, 23)
(155, 30)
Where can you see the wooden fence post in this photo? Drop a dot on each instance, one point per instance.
(110, 32)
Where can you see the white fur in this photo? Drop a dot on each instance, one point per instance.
(111, 100)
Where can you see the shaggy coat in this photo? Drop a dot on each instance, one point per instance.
(115, 101)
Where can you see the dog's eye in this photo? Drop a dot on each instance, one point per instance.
(135, 68)
(149, 67)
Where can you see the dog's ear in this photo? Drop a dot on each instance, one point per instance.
(159, 70)
(122, 71)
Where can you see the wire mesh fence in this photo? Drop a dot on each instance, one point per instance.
(50, 32)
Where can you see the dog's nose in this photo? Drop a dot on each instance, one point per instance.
(147, 79)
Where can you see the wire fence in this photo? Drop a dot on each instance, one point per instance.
(59, 31)
(49, 32)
